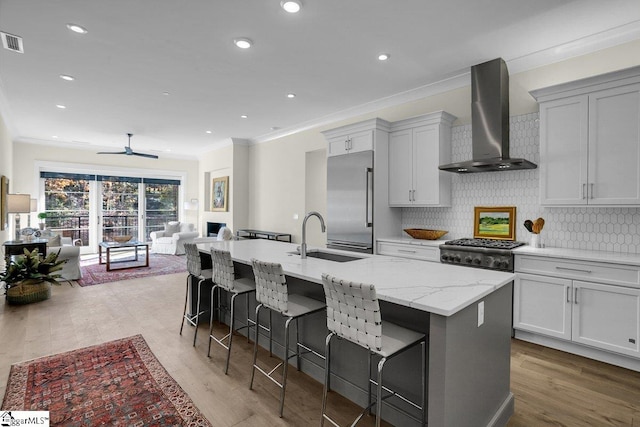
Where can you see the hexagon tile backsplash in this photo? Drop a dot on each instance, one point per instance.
(590, 228)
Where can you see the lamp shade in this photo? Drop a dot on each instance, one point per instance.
(191, 205)
(34, 205)
(18, 203)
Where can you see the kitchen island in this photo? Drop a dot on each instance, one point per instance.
(465, 312)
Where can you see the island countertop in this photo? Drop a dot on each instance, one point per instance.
(428, 286)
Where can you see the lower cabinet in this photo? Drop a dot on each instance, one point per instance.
(598, 315)
(553, 299)
(408, 250)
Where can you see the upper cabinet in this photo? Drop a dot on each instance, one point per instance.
(416, 147)
(590, 141)
(355, 137)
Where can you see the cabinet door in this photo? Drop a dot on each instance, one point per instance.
(563, 151)
(400, 173)
(614, 146)
(541, 304)
(338, 146)
(426, 175)
(361, 141)
(607, 317)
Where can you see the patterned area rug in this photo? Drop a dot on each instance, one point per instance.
(117, 383)
(95, 274)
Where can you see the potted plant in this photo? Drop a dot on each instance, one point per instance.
(42, 216)
(29, 277)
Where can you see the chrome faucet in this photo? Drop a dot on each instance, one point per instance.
(303, 246)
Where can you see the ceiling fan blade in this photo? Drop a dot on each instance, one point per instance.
(151, 156)
(111, 152)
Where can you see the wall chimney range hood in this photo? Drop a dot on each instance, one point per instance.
(489, 122)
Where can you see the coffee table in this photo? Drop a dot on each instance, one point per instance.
(129, 262)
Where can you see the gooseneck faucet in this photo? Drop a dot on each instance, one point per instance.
(303, 246)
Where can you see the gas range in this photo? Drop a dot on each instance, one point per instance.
(480, 253)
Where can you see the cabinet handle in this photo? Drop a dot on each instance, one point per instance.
(584, 191)
(591, 195)
(575, 295)
(568, 294)
(409, 195)
(406, 251)
(573, 269)
(413, 197)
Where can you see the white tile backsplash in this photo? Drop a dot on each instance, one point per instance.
(590, 228)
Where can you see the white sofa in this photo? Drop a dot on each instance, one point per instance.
(171, 240)
(71, 253)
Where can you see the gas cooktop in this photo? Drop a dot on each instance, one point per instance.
(485, 243)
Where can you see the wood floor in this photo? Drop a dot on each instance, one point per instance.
(551, 387)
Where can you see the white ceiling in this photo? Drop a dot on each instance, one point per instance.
(326, 54)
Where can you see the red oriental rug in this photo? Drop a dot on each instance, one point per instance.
(95, 274)
(117, 383)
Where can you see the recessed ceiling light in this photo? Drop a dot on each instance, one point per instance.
(291, 6)
(62, 107)
(77, 29)
(244, 116)
(208, 131)
(243, 42)
(54, 136)
(165, 93)
(383, 56)
(275, 127)
(291, 95)
(67, 77)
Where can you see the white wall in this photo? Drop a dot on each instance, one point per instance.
(6, 169)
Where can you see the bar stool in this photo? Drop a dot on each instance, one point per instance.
(272, 293)
(353, 313)
(224, 278)
(194, 267)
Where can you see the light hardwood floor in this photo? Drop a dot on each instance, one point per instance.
(551, 387)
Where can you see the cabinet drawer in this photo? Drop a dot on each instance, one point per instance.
(425, 253)
(614, 274)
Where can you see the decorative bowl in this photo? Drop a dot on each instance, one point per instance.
(424, 233)
(122, 239)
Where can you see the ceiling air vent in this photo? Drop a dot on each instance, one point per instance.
(11, 42)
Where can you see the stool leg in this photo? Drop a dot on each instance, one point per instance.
(297, 346)
(248, 318)
(379, 392)
(369, 382)
(186, 298)
(195, 334)
(423, 346)
(255, 346)
(270, 336)
(327, 375)
(286, 363)
(213, 290)
(233, 304)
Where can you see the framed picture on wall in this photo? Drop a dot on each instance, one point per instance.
(4, 190)
(220, 194)
(494, 222)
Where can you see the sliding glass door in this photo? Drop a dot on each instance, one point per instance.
(95, 208)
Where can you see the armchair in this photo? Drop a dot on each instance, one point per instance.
(70, 251)
(171, 240)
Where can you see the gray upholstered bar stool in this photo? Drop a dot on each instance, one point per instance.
(272, 292)
(225, 279)
(353, 313)
(194, 267)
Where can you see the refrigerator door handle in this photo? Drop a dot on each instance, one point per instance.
(369, 203)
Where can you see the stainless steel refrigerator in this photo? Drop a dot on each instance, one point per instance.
(350, 202)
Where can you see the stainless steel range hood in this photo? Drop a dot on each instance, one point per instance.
(489, 122)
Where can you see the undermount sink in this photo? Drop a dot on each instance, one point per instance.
(329, 256)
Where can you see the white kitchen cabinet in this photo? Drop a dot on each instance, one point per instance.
(417, 146)
(426, 252)
(351, 143)
(590, 141)
(592, 304)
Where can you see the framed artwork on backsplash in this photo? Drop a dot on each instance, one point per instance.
(220, 194)
(494, 222)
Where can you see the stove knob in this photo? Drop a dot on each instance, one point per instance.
(444, 258)
(477, 261)
(456, 258)
(468, 259)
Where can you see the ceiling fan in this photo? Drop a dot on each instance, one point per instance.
(128, 151)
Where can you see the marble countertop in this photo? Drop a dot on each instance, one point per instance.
(580, 254)
(437, 288)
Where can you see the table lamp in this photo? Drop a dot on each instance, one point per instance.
(193, 205)
(17, 204)
(33, 208)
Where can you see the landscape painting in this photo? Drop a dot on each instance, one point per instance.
(495, 222)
